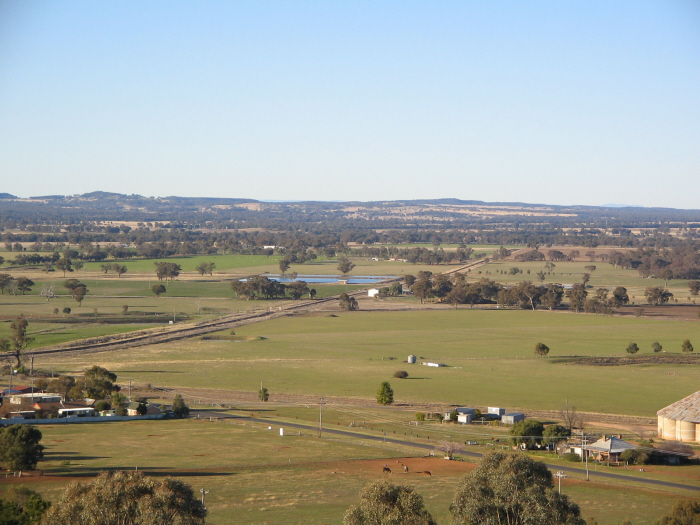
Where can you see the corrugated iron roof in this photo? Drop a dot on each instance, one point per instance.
(612, 445)
(687, 409)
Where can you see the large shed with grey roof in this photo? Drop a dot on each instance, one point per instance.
(680, 421)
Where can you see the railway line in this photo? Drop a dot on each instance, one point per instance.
(186, 331)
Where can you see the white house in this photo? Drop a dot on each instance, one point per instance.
(372, 292)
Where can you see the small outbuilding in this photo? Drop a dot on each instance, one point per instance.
(512, 418)
(464, 419)
(372, 292)
(496, 411)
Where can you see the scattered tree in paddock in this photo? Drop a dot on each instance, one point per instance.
(656, 347)
(687, 346)
(158, 289)
(19, 447)
(401, 374)
(632, 348)
(541, 349)
(264, 395)
(345, 265)
(385, 395)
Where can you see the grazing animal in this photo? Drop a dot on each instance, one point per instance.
(427, 473)
(386, 469)
(405, 469)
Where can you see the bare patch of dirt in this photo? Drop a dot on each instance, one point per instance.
(670, 311)
(416, 467)
(660, 359)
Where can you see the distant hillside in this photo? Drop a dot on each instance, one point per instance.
(7, 196)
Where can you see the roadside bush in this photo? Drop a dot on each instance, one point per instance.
(635, 457)
(420, 416)
(571, 456)
(401, 374)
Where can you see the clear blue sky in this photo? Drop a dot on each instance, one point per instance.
(562, 102)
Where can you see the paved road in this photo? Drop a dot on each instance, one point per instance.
(594, 476)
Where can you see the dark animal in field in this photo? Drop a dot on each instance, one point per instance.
(386, 469)
(427, 473)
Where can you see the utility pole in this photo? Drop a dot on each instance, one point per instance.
(320, 417)
(560, 474)
(584, 442)
(129, 390)
(204, 492)
(31, 373)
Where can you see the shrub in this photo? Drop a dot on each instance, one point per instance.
(571, 456)
(420, 416)
(102, 405)
(66, 310)
(401, 374)
(635, 457)
(656, 347)
(453, 415)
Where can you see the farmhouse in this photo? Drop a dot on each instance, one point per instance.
(605, 449)
(680, 421)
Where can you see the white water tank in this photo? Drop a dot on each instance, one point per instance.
(412, 359)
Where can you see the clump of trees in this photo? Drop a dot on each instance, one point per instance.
(511, 488)
(348, 303)
(128, 498)
(179, 408)
(384, 503)
(22, 506)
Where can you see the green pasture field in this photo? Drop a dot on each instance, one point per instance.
(478, 248)
(255, 476)
(234, 266)
(490, 356)
(46, 334)
(605, 275)
(189, 264)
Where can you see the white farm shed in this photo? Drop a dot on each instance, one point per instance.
(372, 292)
(464, 418)
(496, 411)
(512, 418)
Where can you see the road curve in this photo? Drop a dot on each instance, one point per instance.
(594, 476)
